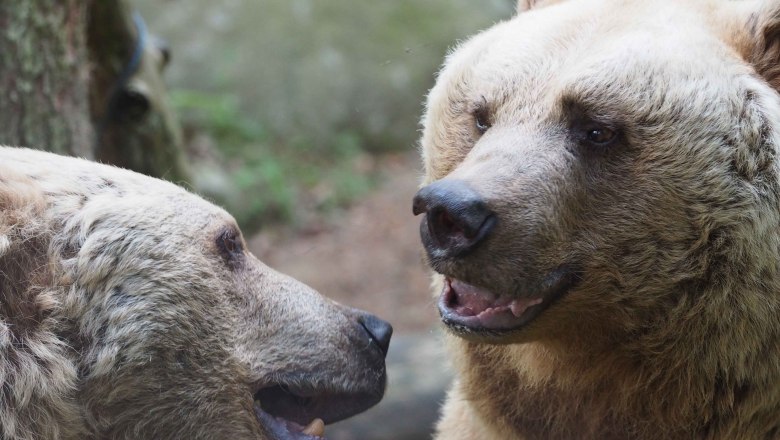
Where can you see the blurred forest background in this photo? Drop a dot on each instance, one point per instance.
(300, 117)
(295, 98)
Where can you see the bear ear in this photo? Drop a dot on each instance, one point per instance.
(524, 5)
(23, 248)
(756, 36)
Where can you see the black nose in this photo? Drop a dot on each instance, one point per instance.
(456, 218)
(380, 331)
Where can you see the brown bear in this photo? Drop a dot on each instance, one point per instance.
(602, 211)
(131, 309)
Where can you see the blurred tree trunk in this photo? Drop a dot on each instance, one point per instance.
(84, 78)
(43, 76)
(134, 123)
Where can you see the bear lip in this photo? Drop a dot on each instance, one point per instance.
(285, 409)
(282, 429)
(468, 309)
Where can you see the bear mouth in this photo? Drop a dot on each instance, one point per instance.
(475, 312)
(300, 412)
(282, 429)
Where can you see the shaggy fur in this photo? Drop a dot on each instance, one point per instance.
(125, 313)
(674, 328)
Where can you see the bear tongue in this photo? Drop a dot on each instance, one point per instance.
(469, 300)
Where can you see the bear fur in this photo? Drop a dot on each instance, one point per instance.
(130, 309)
(632, 145)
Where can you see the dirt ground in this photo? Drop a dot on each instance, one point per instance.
(368, 256)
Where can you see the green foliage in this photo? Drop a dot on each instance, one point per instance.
(219, 114)
(296, 92)
(267, 176)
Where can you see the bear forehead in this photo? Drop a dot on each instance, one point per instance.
(72, 186)
(553, 47)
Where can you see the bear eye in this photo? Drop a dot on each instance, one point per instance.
(600, 135)
(589, 132)
(482, 120)
(230, 245)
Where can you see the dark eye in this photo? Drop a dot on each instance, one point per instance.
(600, 135)
(230, 245)
(482, 120)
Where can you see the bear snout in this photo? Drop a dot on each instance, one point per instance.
(456, 220)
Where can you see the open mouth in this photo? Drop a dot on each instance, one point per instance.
(471, 310)
(300, 413)
(283, 429)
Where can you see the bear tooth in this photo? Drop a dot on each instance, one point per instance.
(519, 307)
(315, 428)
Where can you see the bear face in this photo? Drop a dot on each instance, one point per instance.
(607, 163)
(132, 309)
(600, 206)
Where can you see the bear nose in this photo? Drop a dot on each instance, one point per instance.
(456, 217)
(378, 330)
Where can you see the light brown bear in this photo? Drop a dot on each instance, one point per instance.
(602, 209)
(131, 309)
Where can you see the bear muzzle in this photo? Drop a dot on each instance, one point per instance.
(297, 403)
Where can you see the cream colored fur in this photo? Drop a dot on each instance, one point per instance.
(120, 318)
(674, 330)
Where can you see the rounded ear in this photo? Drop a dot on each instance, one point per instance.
(765, 55)
(753, 30)
(524, 5)
(35, 362)
(23, 248)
